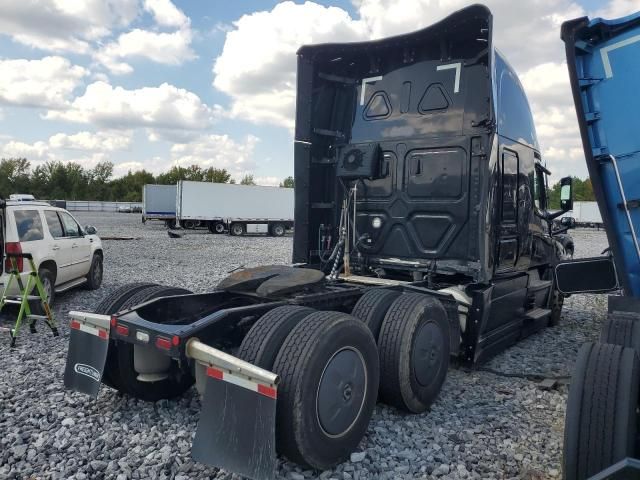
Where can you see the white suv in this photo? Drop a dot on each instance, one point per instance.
(65, 254)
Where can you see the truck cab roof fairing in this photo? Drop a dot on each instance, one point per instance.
(602, 57)
(354, 62)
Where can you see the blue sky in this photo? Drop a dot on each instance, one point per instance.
(151, 83)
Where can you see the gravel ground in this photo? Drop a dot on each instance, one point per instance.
(482, 426)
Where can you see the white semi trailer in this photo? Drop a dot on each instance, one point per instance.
(587, 214)
(238, 209)
(159, 203)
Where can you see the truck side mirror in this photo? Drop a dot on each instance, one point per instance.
(566, 194)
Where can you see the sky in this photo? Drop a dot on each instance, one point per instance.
(148, 84)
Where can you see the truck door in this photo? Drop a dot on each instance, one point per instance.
(508, 246)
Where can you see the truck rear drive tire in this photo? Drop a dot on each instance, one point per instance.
(263, 341)
(329, 373)
(277, 230)
(109, 305)
(128, 383)
(601, 419)
(236, 229)
(373, 306)
(414, 352)
(216, 227)
(621, 329)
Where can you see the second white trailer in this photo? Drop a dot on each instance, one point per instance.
(159, 203)
(238, 209)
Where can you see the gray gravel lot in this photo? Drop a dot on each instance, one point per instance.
(482, 426)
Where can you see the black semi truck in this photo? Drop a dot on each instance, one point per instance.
(423, 238)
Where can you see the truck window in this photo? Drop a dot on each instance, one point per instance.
(540, 195)
(71, 228)
(29, 225)
(53, 222)
(509, 187)
(514, 114)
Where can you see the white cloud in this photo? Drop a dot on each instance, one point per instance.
(62, 25)
(617, 8)
(31, 151)
(165, 48)
(267, 181)
(219, 151)
(257, 65)
(256, 68)
(85, 148)
(48, 82)
(105, 141)
(165, 108)
(166, 13)
(549, 93)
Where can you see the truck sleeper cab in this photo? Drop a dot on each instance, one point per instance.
(422, 235)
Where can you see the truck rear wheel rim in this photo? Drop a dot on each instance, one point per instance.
(426, 355)
(219, 228)
(278, 230)
(237, 230)
(341, 392)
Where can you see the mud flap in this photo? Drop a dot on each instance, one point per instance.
(236, 430)
(87, 354)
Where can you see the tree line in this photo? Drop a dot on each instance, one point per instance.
(71, 181)
(582, 192)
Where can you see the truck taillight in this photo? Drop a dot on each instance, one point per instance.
(122, 330)
(13, 247)
(163, 343)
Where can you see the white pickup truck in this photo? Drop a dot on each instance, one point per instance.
(65, 254)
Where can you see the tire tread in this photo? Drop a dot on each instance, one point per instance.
(254, 343)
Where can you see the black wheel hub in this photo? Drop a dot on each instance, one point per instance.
(426, 356)
(341, 392)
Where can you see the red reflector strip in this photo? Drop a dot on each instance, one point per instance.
(122, 330)
(265, 390)
(163, 343)
(88, 328)
(215, 373)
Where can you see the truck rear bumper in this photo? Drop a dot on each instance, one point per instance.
(238, 398)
